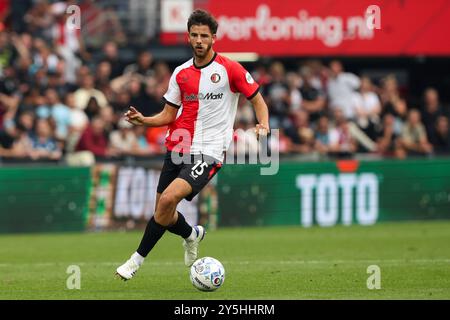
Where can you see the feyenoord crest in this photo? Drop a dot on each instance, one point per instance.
(215, 77)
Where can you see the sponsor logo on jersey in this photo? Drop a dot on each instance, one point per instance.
(202, 96)
(215, 77)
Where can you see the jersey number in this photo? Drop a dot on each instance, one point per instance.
(201, 168)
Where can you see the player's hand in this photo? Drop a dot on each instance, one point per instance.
(261, 130)
(134, 117)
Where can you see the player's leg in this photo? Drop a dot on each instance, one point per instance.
(164, 216)
(179, 226)
(197, 174)
(153, 231)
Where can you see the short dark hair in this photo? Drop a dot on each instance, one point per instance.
(202, 17)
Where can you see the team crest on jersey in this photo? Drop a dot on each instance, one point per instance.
(215, 77)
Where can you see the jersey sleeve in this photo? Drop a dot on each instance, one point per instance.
(242, 81)
(173, 95)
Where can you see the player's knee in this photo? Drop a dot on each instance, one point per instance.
(167, 202)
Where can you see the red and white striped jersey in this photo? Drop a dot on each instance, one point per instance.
(207, 97)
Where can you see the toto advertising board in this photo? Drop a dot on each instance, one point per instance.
(332, 193)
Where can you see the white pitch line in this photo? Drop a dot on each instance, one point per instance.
(240, 262)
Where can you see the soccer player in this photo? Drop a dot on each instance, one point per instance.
(200, 107)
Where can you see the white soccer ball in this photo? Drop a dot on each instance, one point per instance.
(207, 274)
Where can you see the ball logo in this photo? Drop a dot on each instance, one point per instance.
(217, 281)
(249, 78)
(215, 77)
(199, 268)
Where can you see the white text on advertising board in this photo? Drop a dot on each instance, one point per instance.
(329, 198)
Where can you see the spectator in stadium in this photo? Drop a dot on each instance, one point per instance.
(304, 141)
(109, 118)
(60, 114)
(324, 136)
(120, 101)
(276, 93)
(39, 20)
(280, 142)
(18, 11)
(111, 54)
(317, 73)
(431, 110)
(162, 77)
(244, 140)
(367, 107)
(100, 24)
(440, 136)
(22, 144)
(103, 74)
(387, 138)
(10, 96)
(124, 139)
(143, 147)
(78, 122)
(44, 59)
(55, 80)
(313, 98)
(8, 52)
(138, 95)
(95, 140)
(143, 65)
(260, 74)
(341, 87)
(413, 138)
(392, 102)
(344, 145)
(78, 118)
(87, 91)
(293, 81)
(92, 108)
(43, 143)
(67, 40)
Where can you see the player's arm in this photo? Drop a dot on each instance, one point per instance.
(262, 114)
(166, 116)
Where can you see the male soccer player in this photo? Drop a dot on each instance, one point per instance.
(200, 107)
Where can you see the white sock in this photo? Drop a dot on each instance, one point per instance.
(138, 259)
(192, 236)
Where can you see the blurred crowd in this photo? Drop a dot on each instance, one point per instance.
(320, 108)
(62, 100)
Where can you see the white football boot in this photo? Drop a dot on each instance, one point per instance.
(127, 270)
(191, 246)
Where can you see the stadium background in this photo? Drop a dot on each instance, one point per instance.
(347, 100)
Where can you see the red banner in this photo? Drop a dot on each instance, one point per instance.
(333, 27)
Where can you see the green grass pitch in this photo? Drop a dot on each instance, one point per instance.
(260, 263)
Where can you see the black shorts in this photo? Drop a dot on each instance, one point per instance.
(197, 170)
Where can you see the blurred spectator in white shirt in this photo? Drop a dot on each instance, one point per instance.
(368, 107)
(124, 139)
(87, 91)
(341, 89)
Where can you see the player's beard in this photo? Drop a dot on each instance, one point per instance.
(203, 53)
